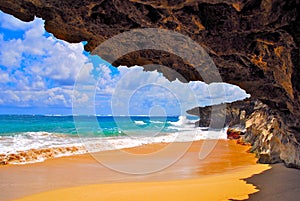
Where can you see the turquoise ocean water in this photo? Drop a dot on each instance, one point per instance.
(33, 138)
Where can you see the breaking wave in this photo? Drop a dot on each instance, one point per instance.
(31, 147)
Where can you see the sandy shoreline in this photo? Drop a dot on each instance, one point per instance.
(215, 187)
(217, 177)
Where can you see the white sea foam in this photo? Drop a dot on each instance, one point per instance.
(183, 121)
(36, 140)
(45, 145)
(157, 122)
(140, 123)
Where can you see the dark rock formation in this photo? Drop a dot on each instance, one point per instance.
(234, 114)
(270, 139)
(254, 43)
(258, 125)
(235, 134)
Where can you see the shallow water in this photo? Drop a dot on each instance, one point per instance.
(34, 138)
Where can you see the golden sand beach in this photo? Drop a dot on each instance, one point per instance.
(217, 177)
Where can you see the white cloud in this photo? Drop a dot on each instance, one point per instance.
(38, 69)
(12, 23)
(49, 97)
(134, 87)
(43, 56)
(4, 77)
(10, 52)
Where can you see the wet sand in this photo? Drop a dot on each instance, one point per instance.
(216, 177)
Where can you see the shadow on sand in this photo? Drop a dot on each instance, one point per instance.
(277, 184)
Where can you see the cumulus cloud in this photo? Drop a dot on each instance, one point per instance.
(11, 23)
(37, 69)
(132, 89)
(4, 77)
(43, 56)
(10, 55)
(50, 97)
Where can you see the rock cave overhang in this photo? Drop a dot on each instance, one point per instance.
(254, 44)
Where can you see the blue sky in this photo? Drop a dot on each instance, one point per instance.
(40, 74)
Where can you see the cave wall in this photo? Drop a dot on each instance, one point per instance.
(254, 43)
(267, 133)
(255, 123)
